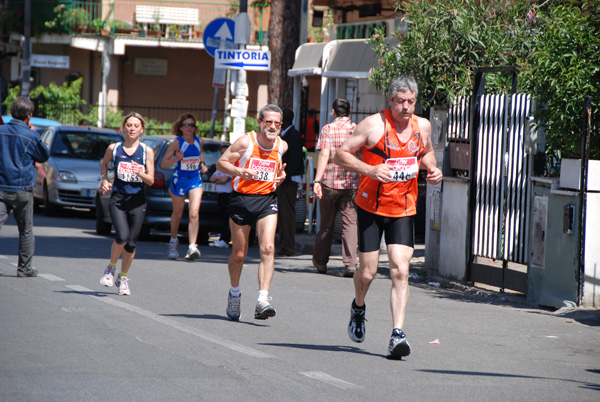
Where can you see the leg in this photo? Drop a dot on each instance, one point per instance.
(266, 228)
(369, 262)
(23, 213)
(239, 238)
(178, 203)
(5, 208)
(224, 211)
(135, 220)
(399, 256)
(349, 228)
(195, 197)
(325, 236)
(286, 200)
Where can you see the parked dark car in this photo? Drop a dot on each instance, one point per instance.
(158, 212)
(71, 176)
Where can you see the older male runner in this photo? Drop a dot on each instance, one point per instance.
(395, 143)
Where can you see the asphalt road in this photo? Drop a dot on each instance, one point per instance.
(64, 337)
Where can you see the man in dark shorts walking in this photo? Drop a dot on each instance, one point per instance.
(254, 162)
(395, 143)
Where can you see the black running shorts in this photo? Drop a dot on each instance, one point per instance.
(247, 209)
(371, 227)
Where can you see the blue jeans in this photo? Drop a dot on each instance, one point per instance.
(21, 203)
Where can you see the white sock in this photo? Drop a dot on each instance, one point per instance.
(236, 292)
(262, 295)
(173, 240)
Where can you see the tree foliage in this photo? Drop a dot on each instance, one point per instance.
(555, 46)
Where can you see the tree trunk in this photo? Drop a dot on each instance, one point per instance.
(284, 39)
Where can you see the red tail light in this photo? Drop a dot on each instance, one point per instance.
(159, 181)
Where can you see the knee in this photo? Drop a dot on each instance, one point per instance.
(267, 250)
(238, 256)
(399, 273)
(130, 247)
(177, 214)
(194, 216)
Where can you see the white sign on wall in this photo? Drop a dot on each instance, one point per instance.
(147, 66)
(48, 61)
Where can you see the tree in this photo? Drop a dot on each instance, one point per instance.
(284, 39)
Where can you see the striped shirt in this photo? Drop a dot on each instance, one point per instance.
(332, 137)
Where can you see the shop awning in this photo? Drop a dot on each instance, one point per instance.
(308, 60)
(351, 59)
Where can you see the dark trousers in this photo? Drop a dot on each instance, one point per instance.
(223, 204)
(332, 201)
(21, 204)
(286, 218)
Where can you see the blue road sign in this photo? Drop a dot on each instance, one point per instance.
(243, 59)
(217, 30)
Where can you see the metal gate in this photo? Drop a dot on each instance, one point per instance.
(499, 172)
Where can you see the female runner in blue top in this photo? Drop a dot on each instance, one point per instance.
(134, 170)
(186, 152)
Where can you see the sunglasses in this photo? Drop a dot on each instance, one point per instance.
(270, 122)
(188, 125)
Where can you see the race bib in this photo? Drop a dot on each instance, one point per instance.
(266, 169)
(403, 169)
(125, 173)
(190, 163)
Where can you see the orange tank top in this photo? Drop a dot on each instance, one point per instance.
(264, 161)
(397, 198)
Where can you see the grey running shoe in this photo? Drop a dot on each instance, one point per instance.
(233, 307)
(398, 347)
(109, 276)
(264, 310)
(172, 253)
(26, 272)
(193, 253)
(356, 327)
(122, 282)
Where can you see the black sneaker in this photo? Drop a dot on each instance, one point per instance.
(398, 347)
(356, 327)
(26, 272)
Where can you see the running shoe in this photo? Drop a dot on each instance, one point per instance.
(193, 253)
(264, 310)
(172, 253)
(27, 272)
(109, 276)
(122, 282)
(398, 347)
(220, 244)
(233, 307)
(356, 327)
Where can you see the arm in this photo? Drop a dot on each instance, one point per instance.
(105, 185)
(172, 155)
(203, 168)
(148, 175)
(281, 175)
(232, 155)
(429, 161)
(219, 178)
(367, 133)
(321, 165)
(41, 152)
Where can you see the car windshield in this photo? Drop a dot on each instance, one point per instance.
(83, 145)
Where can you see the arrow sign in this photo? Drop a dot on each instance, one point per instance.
(220, 29)
(243, 59)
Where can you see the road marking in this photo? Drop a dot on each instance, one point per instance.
(182, 327)
(326, 378)
(51, 277)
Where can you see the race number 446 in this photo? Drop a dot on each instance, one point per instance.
(403, 169)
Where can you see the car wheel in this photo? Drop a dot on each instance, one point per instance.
(144, 233)
(49, 208)
(102, 228)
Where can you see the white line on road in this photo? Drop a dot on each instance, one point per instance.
(182, 327)
(326, 378)
(51, 277)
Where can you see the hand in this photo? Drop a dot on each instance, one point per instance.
(178, 156)
(105, 186)
(434, 176)
(281, 175)
(203, 168)
(318, 190)
(380, 173)
(247, 174)
(137, 168)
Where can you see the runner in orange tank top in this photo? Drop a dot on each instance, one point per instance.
(395, 143)
(254, 162)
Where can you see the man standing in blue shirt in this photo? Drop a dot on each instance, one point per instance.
(20, 148)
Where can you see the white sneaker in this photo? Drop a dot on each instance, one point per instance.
(123, 283)
(221, 244)
(193, 253)
(264, 310)
(172, 253)
(109, 276)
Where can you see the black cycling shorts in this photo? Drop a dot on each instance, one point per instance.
(371, 227)
(247, 209)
